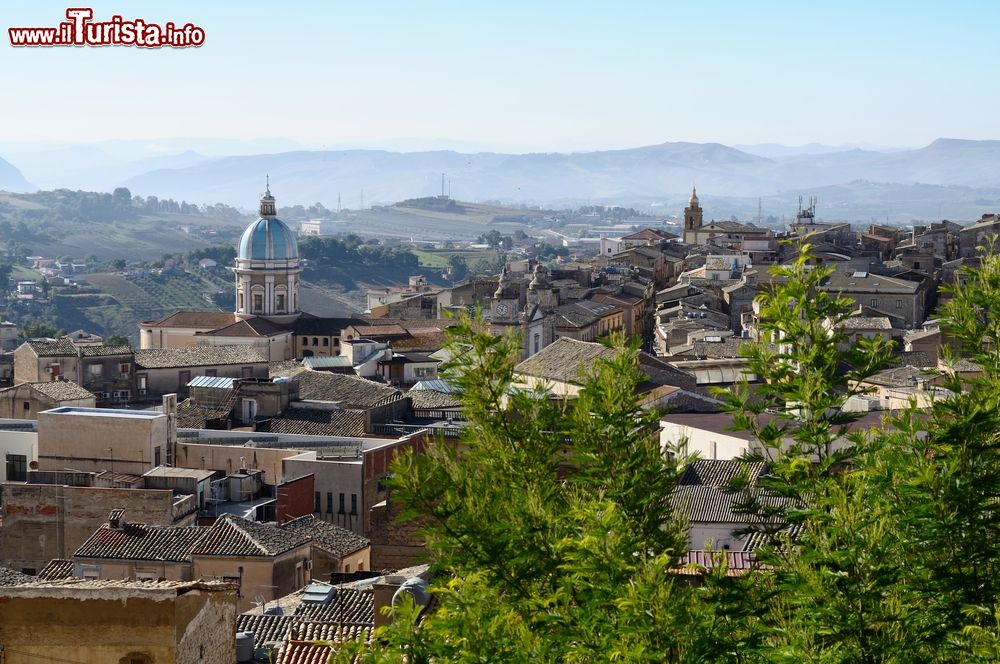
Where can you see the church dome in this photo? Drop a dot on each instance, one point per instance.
(268, 238)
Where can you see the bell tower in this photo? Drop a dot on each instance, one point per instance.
(505, 307)
(693, 216)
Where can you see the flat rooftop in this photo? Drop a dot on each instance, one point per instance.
(167, 471)
(104, 412)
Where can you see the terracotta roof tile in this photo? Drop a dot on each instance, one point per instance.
(138, 541)
(194, 319)
(349, 607)
(234, 536)
(250, 327)
(317, 422)
(348, 391)
(56, 569)
(303, 652)
(328, 536)
(432, 399)
(59, 390)
(9, 577)
(197, 356)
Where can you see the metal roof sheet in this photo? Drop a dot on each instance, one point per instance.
(218, 382)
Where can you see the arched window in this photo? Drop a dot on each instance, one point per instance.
(136, 658)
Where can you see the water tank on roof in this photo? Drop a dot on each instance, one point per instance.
(416, 588)
(244, 647)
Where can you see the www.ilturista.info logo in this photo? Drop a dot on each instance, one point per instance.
(80, 30)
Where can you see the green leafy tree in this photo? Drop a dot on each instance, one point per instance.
(550, 523)
(551, 529)
(36, 329)
(459, 268)
(837, 573)
(945, 500)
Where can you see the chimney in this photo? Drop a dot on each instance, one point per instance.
(116, 519)
(170, 410)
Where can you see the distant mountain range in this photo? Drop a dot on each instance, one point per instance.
(11, 179)
(931, 179)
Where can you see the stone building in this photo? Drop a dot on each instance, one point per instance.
(98, 439)
(106, 371)
(118, 622)
(52, 514)
(26, 400)
(904, 302)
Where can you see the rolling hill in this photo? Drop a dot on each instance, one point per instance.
(668, 169)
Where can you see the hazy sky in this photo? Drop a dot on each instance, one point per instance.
(519, 75)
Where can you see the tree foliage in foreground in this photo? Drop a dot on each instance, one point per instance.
(553, 536)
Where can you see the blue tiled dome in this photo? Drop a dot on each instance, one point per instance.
(268, 239)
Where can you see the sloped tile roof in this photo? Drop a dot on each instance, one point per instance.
(729, 347)
(905, 376)
(350, 607)
(316, 422)
(328, 536)
(348, 391)
(650, 234)
(9, 577)
(332, 631)
(61, 390)
(101, 350)
(250, 327)
(234, 536)
(197, 356)
(56, 569)
(866, 323)
(431, 399)
(266, 628)
(303, 652)
(564, 360)
(51, 347)
(353, 618)
(138, 541)
(194, 319)
(192, 416)
(710, 504)
(720, 472)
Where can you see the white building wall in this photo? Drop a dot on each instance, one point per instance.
(23, 443)
(706, 444)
